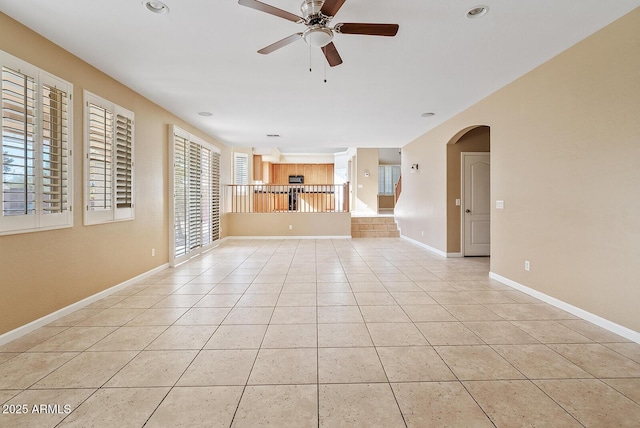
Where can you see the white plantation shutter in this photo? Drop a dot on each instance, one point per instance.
(55, 150)
(205, 196)
(109, 161)
(215, 196)
(180, 186)
(210, 191)
(100, 158)
(124, 161)
(241, 168)
(196, 195)
(18, 143)
(35, 148)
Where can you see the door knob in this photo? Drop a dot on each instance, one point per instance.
(467, 211)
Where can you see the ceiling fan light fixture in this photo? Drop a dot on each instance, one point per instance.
(477, 12)
(318, 37)
(428, 114)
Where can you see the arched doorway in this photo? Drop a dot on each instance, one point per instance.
(471, 140)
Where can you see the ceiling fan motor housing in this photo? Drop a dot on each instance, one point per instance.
(310, 8)
(317, 34)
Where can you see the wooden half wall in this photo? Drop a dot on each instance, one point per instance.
(288, 224)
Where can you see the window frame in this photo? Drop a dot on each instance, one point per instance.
(42, 218)
(111, 213)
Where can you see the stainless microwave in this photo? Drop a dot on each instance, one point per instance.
(296, 179)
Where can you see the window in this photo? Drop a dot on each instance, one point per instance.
(196, 195)
(36, 148)
(388, 176)
(109, 161)
(240, 168)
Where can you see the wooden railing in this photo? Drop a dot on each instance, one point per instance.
(302, 198)
(398, 188)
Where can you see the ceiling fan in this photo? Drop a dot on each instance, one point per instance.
(316, 15)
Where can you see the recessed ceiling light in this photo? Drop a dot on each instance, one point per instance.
(205, 114)
(427, 114)
(273, 135)
(477, 12)
(156, 6)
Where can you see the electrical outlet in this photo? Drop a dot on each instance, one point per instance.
(290, 227)
(422, 232)
(527, 265)
(153, 252)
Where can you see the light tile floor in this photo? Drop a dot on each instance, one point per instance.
(327, 333)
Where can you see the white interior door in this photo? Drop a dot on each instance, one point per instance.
(476, 204)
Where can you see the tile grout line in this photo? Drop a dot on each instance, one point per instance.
(197, 354)
(366, 254)
(244, 388)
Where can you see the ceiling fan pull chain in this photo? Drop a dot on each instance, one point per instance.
(309, 58)
(325, 71)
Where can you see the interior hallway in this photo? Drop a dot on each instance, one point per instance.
(362, 332)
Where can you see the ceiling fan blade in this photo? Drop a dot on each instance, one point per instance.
(367, 29)
(332, 55)
(331, 7)
(263, 7)
(280, 43)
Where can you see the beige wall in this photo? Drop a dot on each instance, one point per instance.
(42, 272)
(564, 158)
(366, 188)
(421, 211)
(277, 224)
(475, 140)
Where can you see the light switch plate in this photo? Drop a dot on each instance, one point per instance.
(457, 202)
(499, 205)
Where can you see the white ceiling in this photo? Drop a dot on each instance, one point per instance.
(202, 57)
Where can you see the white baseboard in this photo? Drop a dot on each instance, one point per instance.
(425, 246)
(40, 322)
(454, 255)
(588, 316)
